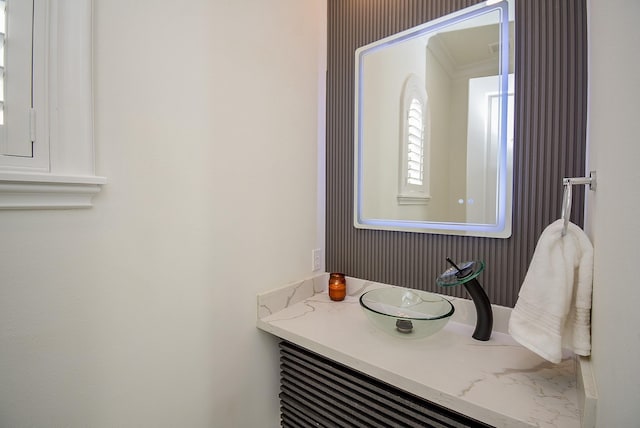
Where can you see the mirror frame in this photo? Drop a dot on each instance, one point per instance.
(502, 228)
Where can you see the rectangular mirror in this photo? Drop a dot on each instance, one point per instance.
(434, 126)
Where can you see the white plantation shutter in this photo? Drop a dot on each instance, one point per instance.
(16, 65)
(415, 144)
(413, 183)
(3, 27)
(3, 31)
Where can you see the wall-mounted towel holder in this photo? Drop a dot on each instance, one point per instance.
(568, 184)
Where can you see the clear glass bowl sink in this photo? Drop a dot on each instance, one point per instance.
(406, 313)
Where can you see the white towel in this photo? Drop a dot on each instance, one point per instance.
(554, 303)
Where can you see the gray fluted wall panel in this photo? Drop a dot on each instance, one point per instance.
(550, 135)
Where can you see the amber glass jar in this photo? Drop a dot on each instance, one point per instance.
(337, 286)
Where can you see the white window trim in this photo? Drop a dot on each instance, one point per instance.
(411, 194)
(62, 172)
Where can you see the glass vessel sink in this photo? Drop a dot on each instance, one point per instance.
(406, 313)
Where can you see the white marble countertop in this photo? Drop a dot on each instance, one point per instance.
(498, 381)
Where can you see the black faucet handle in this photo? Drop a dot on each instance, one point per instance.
(459, 273)
(466, 270)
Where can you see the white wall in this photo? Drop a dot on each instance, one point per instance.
(141, 311)
(614, 153)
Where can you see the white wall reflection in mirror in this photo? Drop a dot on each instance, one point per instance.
(434, 126)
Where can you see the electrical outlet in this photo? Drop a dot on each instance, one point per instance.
(316, 259)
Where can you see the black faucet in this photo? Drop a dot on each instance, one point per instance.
(466, 275)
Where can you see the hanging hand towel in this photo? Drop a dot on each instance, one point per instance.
(554, 303)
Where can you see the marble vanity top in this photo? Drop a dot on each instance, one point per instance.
(498, 382)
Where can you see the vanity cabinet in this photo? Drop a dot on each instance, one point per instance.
(316, 391)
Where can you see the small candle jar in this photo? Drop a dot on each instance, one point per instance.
(337, 286)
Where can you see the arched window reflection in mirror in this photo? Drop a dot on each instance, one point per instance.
(414, 144)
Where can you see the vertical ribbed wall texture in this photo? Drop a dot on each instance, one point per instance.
(550, 135)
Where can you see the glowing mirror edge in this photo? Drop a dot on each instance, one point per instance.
(502, 229)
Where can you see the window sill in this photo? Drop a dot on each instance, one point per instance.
(47, 191)
(413, 199)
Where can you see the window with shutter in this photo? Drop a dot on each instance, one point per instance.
(46, 105)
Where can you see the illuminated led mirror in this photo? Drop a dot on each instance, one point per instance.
(434, 126)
